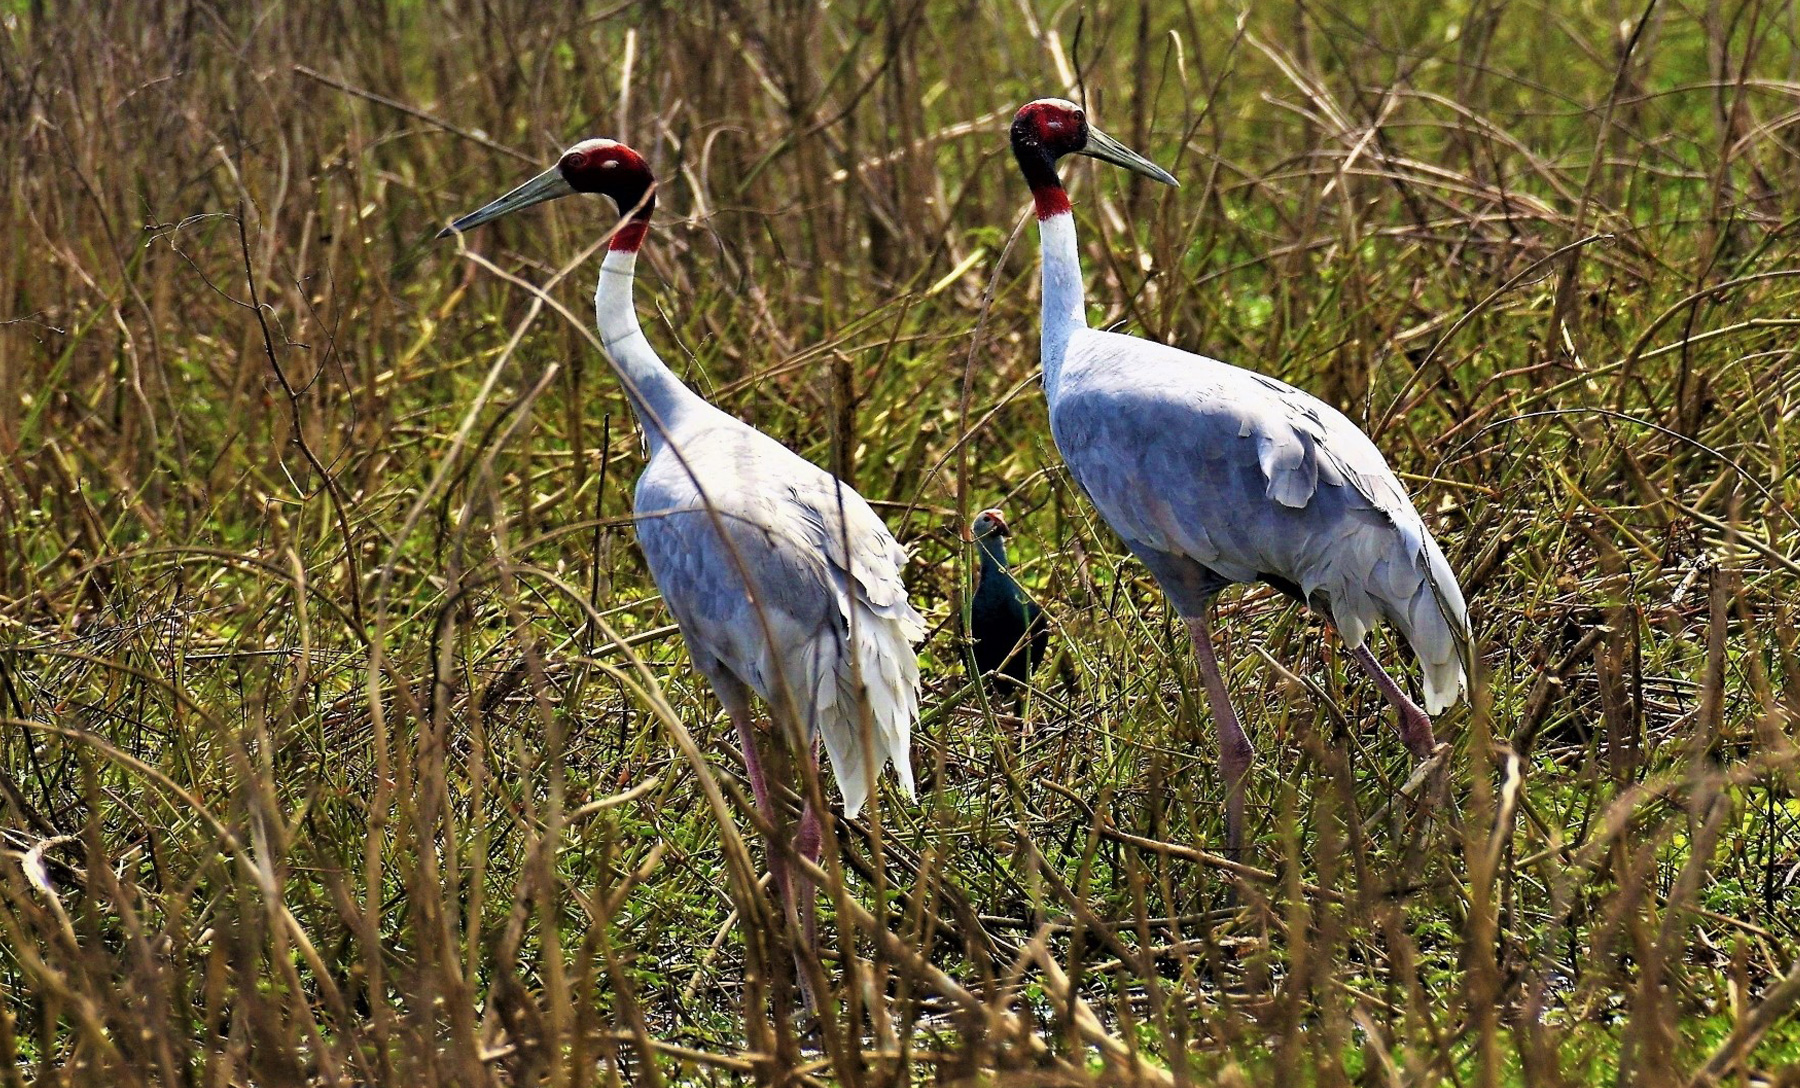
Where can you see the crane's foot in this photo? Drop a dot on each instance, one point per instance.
(1415, 731)
(1415, 724)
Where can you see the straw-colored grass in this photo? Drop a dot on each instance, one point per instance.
(343, 740)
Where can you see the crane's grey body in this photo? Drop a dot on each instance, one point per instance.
(794, 600)
(755, 569)
(1200, 464)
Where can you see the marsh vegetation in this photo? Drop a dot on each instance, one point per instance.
(345, 742)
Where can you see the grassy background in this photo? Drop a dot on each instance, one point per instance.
(345, 741)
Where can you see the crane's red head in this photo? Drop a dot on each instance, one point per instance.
(1053, 125)
(606, 167)
(1049, 128)
(611, 169)
(1043, 132)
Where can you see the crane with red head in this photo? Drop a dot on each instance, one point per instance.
(1215, 475)
(783, 581)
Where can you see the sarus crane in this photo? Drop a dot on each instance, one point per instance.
(1214, 475)
(782, 580)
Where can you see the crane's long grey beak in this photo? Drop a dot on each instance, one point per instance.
(546, 186)
(1106, 149)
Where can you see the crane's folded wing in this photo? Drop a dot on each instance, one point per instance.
(1250, 477)
(791, 582)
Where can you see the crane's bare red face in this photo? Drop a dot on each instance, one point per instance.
(606, 167)
(611, 169)
(1056, 126)
(1043, 132)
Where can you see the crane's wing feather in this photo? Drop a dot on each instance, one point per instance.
(782, 576)
(1252, 478)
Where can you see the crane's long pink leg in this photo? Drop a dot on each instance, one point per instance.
(1235, 752)
(1415, 724)
(779, 871)
(808, 843)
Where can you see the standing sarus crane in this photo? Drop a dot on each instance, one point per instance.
(1214, 475)
(782, 580)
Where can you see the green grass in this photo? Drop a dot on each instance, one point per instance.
(320, 649)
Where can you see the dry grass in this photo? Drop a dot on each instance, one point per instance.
(345, 743)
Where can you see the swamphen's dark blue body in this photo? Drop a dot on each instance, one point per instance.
(1010, 633)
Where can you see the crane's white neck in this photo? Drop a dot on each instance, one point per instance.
(657, 396)
(1065, 306)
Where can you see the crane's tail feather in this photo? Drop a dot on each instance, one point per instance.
(1421, 598)
(1440, 632)
(888, 691)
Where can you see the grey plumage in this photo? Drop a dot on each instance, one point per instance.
(1190, 458)
(781, 519)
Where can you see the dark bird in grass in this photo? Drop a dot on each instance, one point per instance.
(1008, 629)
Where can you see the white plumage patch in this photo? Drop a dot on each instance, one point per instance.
(889, 687)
